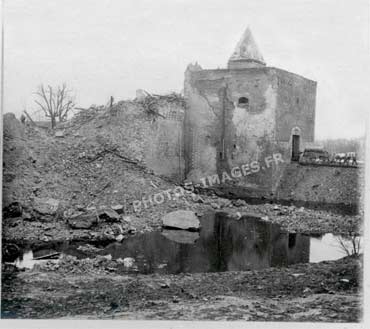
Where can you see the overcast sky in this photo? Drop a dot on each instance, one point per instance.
(113, 47)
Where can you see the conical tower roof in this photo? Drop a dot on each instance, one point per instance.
(247, 51)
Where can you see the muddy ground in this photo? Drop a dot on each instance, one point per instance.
(326, 291)
(96, 288)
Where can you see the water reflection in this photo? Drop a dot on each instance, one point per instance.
(222, 245)
(328, 247)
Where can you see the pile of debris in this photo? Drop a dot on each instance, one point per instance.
(85, 115)
(151, 103)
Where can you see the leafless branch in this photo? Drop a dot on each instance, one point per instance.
(56, 103)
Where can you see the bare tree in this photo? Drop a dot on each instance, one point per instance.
(350, 242)
(55, 103)
(351, 245)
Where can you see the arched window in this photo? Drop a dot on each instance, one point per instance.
(243, 102)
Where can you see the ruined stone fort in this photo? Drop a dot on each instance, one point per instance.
(245, 113)
(235, 119)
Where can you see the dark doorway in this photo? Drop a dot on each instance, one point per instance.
(295, 148)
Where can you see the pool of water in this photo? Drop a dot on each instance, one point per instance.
(222, 244)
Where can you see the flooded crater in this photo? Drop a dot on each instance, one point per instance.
(222, 244)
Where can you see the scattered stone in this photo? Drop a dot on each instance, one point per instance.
(109, 215)
(88, 248)
(119, 261)
(108, 234)
(117, 229)
(118, 208)
(103, 258)
(181, 219)
(59, 134)
(46, 206)
(128, 262)
(215, 205)
(82, 220)
(197, 198)
(69, 213)
(239, 203)
(127, 219)
(119, 238)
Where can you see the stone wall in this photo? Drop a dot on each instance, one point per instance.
(243, 116)
(295, 106)
(219, 133)
(164, 152)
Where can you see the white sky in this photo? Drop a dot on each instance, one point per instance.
(113, 47)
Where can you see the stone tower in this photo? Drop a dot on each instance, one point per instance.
(243, 114)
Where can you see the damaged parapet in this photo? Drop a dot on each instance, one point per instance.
(246, 53)
(187, 84)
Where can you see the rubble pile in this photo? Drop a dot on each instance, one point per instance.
(70, 264)
(85, 115)
(152, 103)
(54, 187)
(98, 163)
(75, 168)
